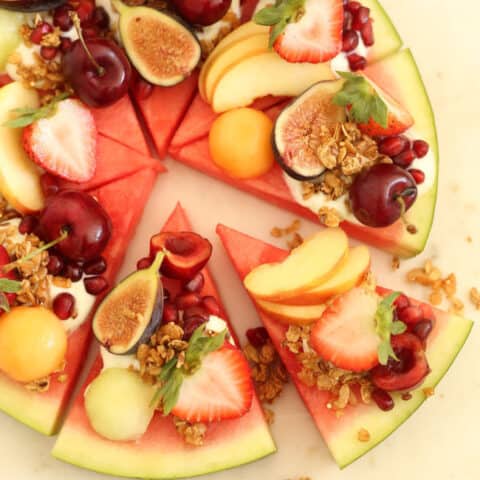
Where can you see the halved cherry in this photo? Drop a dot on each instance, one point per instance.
(186, 253)
(406, 373)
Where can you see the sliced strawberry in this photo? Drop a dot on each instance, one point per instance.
(345, 335)
(4, 260)
(64, 143)
(316, 37)
(221, 389)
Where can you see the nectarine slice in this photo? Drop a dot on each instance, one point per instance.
(347, 276)
(292, 314)
(307, 266)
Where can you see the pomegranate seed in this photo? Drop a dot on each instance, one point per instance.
(366, 31)
(188, 300)
(96, 266)
(421, 148)
(404, 159)
(347, 20)
(417, 175)
(257, 337)
(356, 62)
(170, 313)
(196, 284)
(423, 329)
(197, 311)
(73, 272)
(211, 304)
(48, 53)
(191, 325)
(49, 185)
(143, 89)
(65, 44)
(61, 18)
(393, 146)
(63, 305)
(410, 315)
(427, 311)
(100, 18)
(401, 302)
(95, 285)
(360, 18)
(39, 31)
(28, 224)
(350, 41)
(144, 263)
(352, 7)
(85, 10)
(383, 399)
(55, 265)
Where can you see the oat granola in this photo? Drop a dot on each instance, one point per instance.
(192, 433)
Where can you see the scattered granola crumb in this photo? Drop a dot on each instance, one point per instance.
(363, 435)
(330, 217)
(62, 378)
(412, 229)
(292, 229)
(475, 297)
(406, 396)
(469, 239)
(269, 415)
(295, 242)
(429, 391)
(192, 433)
(395, 263)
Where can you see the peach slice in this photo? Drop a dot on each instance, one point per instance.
(307, 266)
(265, 74)
(292, 314)
(350, 274)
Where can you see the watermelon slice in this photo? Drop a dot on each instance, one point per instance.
(341, 434)
(161, 452)
(114, 161)
(43, 411)
(119, 122)
(397, 74)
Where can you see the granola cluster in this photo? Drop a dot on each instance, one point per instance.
(295, 240)
(192, 433)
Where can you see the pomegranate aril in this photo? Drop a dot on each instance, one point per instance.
(423, 329)
(257, 337)
(404, 159)
(196, 284)
(65, 44)
(360, 18)
(366, 31)
(410, 315)
(95, 267)
(55, 265)
(63, 305)
(347, 20)
(187, 300)
(48, 53)
(421, 148)
(197, 311)
(418, 175)
(191, 325)
(100, 18)
(49, 185)
(62, 19)
(383, 399)
(73, 272)
(28, 224)
(350, 41)
(170, 313)
(85, 11)
(356, 62)
(39, 31)
(401, 302)
(211, 304)
(393, 146)
(353, 7)
(144, 263)
(95, 285)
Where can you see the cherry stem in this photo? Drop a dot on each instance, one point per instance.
(400, 198)
(76, 23)
(10, 266)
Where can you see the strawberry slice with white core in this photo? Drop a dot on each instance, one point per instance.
(316, 37)
(221, 389)
(346, 334)
(65, 142)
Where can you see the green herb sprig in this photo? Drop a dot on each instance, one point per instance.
(7, 286)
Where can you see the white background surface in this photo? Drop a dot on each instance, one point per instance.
(441, 440)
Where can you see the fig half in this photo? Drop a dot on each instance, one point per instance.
(296, 132)
(161, 47)
(132, 311)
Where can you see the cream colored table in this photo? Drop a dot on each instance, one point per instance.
(441, 440)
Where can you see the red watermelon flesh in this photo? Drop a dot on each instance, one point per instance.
(114, 162)
(43, 411)
(4, 79)
(161, 452)
(341, 433)
(164, 109)
(119, 122)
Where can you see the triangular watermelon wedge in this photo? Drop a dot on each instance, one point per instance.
(161, 452)
(114, 162)
(44, 411)
(341, 433)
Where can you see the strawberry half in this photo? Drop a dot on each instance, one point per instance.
(317, 34)
(5, 260)
(221, 389)
(65, 142)
(346, 334)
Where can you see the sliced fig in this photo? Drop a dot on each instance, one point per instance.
(132, 311)
(161, 47)
(296, 137)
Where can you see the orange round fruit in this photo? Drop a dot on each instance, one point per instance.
(240, 143)
(33, 343)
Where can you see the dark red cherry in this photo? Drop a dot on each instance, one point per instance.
(201, 12)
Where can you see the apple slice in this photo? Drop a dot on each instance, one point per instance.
(239, 51)
(19, 176)
(307, 266)
(243, 31)
(292, 314)
(266, 74)
(350, 274)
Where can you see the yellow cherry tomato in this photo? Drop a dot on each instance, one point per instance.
(33, 343)
(240, 143)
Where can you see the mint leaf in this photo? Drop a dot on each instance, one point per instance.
(398, 328)
(170, 391)
(9, 286)
(268, 16)
(4, 305)
(362, 100)
(201, 345)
